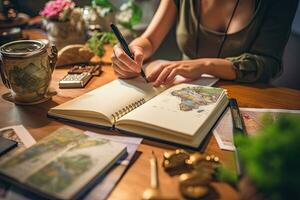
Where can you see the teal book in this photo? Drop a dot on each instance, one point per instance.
(62, 164)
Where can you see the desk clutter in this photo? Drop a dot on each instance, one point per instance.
(64, 164)
(78, 76)
(184, 115)
(30, 170)
(254, 122)
(196, 171)
(73, 164)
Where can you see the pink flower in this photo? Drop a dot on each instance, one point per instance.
(54, 8)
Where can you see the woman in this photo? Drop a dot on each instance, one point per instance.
(240, 40)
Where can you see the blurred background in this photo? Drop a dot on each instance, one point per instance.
(169, 50)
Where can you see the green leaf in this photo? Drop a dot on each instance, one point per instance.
(103, 3)
(98, 40)
(136, 17)
(226, 175)
(127, 25)
(271, 158)
(137, 14)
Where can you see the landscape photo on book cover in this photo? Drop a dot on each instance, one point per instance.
(58, 162)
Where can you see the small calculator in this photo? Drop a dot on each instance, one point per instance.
(75, 80)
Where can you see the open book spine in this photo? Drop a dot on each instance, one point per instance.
(117, 115)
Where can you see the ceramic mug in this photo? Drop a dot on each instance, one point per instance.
(26, 68)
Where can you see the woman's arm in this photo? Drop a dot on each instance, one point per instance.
(160, 25)
(259, 64)
(145, 45)
(263, 61)
(192, 69)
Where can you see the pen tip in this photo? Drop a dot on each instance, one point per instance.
(111, 25)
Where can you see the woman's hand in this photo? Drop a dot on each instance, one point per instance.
(123, 65)
(166, 72)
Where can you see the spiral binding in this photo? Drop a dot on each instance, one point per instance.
(127, 109)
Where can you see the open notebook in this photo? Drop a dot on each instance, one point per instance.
(182, 114)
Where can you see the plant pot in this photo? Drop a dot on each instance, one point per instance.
(65, 33)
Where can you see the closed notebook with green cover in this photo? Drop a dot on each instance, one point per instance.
(62, 164)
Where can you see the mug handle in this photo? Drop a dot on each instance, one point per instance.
(53, 57)
(2, 73)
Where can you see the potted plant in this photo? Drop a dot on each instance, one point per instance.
(63, 22)
(99, 15)
(101, 43)
(130, 14)
(270, 160)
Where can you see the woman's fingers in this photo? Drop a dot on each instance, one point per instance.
(155, 73)
(171, 76)
(119, 60)
(123, 74)
(164, 74)
(189, 73)
(120, 65)
(138, 55)
(119, 72)
(125, 59)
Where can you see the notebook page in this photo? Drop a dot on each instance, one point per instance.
(182, 108)
(109, 98)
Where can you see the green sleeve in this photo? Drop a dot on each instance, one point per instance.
(263, 61)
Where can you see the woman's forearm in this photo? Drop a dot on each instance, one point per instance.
(220, 68)
(158, 28)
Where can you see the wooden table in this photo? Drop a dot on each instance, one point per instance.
(137, 178)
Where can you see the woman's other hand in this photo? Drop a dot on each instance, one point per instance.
(124, 67)
(165, 73)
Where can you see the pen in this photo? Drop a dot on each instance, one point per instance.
(125, 45)
(238, 128)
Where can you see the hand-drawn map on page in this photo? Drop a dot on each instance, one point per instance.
(181, 108)
(194, 97)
